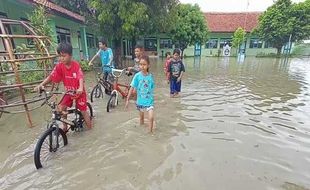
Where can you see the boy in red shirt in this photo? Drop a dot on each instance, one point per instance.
(70, 72)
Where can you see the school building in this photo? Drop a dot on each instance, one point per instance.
(221, 28)
(67, 26)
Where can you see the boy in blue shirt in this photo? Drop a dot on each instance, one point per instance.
(143, 83)
(106, 57)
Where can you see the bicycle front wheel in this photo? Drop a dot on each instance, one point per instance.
(96, 92)
(48, 144)
(112, 101)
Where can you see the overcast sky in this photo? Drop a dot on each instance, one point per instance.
(232, 5)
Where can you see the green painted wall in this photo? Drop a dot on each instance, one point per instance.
(17, 10)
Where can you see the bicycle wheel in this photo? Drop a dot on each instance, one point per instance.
(48, 144)
(112, 101)
(90, 110)
(96, 92)
(2, 103)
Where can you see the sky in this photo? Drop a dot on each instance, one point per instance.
(233, 5)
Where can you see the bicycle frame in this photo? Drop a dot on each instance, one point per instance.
(58, 116)
(116, 85)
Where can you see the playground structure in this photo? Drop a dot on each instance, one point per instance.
(23, 52)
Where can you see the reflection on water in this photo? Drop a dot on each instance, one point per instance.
(238, 125)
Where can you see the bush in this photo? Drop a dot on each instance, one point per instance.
(84, 65)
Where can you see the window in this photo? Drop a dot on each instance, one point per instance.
(30, 42)
(2, 49)
(212, 43)
(63, 35)
(150, 44)
(177, 45)
(255, 43)
(268, 45)
(224, 41)
(90, 40)
(165, 43)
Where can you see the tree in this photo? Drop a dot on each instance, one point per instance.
(129, 19)
(238, 38)
(282, 21)
(190, 26)
(80, 7)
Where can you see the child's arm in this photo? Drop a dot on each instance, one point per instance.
(128, 96)
(180, 77)
(43, 83)
(95, 56)
(81, 84)
(110, 58)
(181, 73)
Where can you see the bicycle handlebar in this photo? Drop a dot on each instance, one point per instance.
(70, 92)
(121, 71)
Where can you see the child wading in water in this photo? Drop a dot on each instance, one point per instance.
(167, 63)
(175, 71)
(143, 83)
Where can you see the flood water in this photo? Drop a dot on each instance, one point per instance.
(237, 125)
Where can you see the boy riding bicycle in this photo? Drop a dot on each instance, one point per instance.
(106, 57)
(69, 71)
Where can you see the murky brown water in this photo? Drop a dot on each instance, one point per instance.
(236, 126)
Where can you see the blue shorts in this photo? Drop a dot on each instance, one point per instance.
(175, 86)
(144, 108)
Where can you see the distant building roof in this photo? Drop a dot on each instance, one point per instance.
(229, 22)
(59, 9)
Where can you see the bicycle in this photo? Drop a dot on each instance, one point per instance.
(113, 100)
(102, 82)
(3, 102)
(54, 137)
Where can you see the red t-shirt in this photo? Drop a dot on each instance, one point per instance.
(69, 75)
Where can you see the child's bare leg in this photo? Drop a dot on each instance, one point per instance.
(87, 119)
(151, 120)
(62, 108)
(141, 118)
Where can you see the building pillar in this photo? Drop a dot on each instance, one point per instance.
(84, 42)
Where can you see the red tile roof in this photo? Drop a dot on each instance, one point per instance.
(57, 8)
(229, 22)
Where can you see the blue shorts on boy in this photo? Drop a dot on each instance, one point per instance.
(144, 85)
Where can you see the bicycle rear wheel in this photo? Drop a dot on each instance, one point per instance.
(112, 101)
(2, 103)
(96, 93)
(48, 144)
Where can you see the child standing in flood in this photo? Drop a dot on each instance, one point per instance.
(143, 83)
(175, 71)
(167, 63)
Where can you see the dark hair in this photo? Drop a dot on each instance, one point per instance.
(168, 53)
(177, 51)
(64, 48)
(103, 41)
(138, 46)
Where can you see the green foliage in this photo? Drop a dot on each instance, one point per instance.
(301, 50)
(84, 65)
(190, 26)
(39, 21)
(239, 37)
(32, 76)
(80, 7)
(283, 19)
(123, 18)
